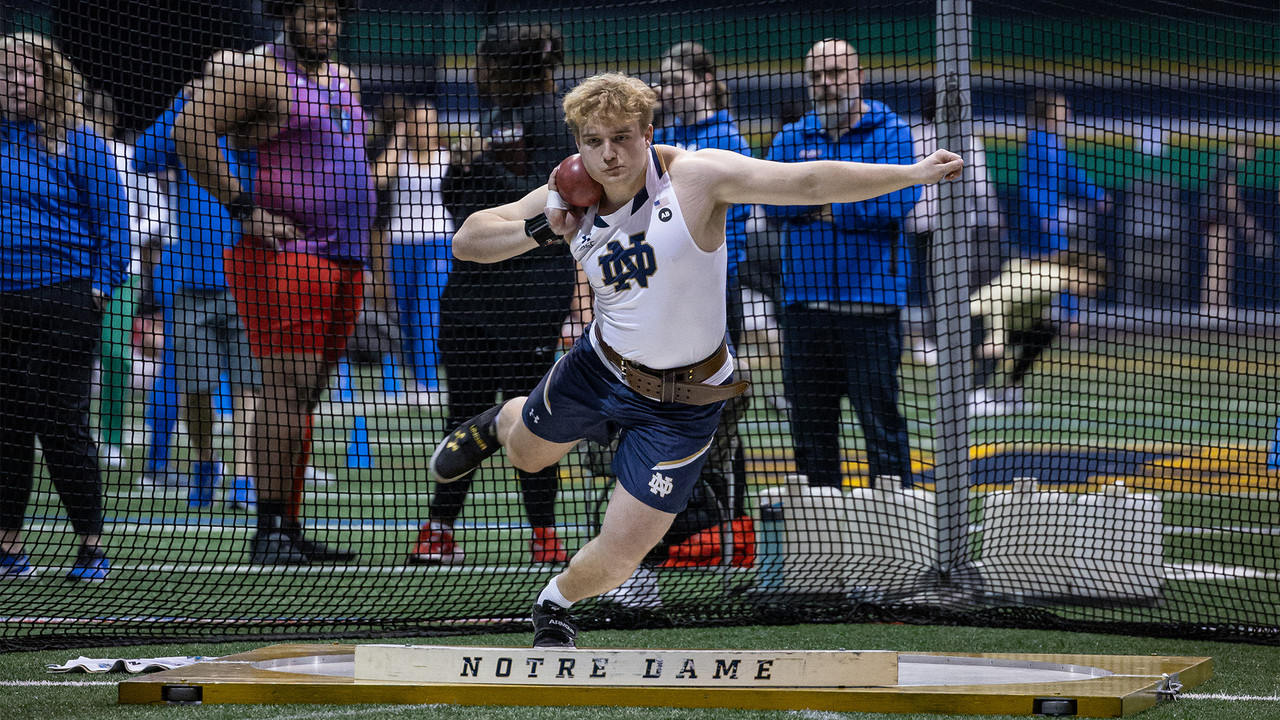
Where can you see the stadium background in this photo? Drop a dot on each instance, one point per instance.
(1179, 405)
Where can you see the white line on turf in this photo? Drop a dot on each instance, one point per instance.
(356, 712)
(1232, 698)
(55, 683)
(336, 569)
(1208, 571)
(141, 526)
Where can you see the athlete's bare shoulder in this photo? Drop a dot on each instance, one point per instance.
(668, 153)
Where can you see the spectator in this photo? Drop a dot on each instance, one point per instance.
(65, 249)
(982, 219)
(695, 100)
(203, 329)
(1226, 224)
(844, 278)
(1012, 316)
(501, 323)
(1051, 186)
(298, 273)
(413, 260)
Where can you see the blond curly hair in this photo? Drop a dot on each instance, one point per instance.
(609, 99)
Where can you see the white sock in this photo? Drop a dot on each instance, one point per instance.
(552, 592)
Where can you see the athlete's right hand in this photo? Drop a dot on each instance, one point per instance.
(275, 231)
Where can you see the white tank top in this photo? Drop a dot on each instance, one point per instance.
(659, 298)
(417, 209)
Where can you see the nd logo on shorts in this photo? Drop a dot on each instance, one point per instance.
(660, 485)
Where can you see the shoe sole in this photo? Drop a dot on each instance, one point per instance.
(280, 562)
(435, 560)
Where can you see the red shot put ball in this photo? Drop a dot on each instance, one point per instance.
(574, 184)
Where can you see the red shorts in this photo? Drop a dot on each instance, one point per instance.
(294, 303)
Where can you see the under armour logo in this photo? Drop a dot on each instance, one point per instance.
(660, 485)
(534, 416)
(455, 440)
(622, 265)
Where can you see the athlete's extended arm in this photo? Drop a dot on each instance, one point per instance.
(736, 179)
(496, 234)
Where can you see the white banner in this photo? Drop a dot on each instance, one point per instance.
(612, 667)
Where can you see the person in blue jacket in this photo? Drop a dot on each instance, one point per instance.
(844, 277)
(1049, 180)
(64, 243)
(203, 331)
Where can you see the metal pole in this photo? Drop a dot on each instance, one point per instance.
(952, 248)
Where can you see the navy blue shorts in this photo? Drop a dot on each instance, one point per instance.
(662, 445)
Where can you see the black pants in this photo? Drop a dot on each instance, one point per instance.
(480, 367)
(47, 340)
(830, 355)
(1024, 346)
(735, 318)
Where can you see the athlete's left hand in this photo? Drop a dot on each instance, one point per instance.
(941, 165)
(563, 222)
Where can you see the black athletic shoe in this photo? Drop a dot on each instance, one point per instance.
(318, 552)
(465, 448)
(275, 548)
(553, 627)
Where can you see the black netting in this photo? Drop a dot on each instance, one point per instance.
(1040, 395)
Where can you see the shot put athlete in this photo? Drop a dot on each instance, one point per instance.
(654, 364)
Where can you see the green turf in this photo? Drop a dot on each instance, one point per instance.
(1241, 670)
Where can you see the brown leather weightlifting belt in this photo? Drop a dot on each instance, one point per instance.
(682, 384)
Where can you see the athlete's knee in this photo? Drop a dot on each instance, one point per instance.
(526, 456)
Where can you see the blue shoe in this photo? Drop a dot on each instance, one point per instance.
(241, 495)
(15, 566)
(91, 565)
(204, 480)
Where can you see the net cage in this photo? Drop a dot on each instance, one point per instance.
(1040, 395)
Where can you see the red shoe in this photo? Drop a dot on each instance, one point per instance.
(701, 549)
(435, 546)
(546, 547)
(744, 542)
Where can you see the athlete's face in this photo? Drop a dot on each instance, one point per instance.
(315, 28)
(615, 154)
(21, 84)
